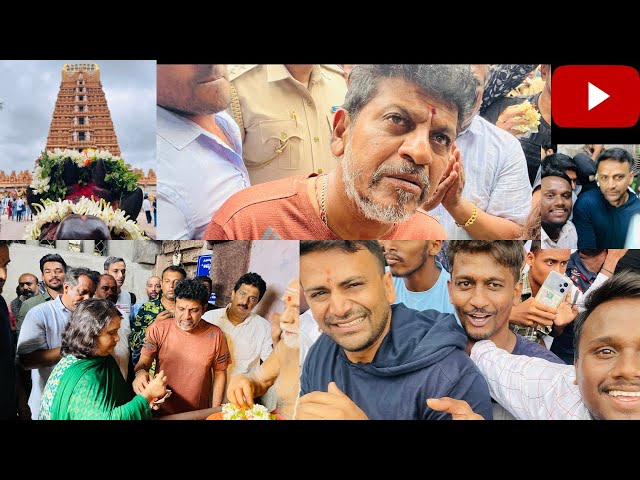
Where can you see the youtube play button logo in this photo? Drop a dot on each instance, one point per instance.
(595, 96)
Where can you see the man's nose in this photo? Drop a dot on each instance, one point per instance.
(479, 298)
(416, 147)
(339, 305)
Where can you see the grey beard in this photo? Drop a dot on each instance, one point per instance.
(397, 213)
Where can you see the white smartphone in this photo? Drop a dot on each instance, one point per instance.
(554, 289)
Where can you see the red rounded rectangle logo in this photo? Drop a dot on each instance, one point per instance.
(595, 96)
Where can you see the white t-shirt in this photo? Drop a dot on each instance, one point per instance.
(42, 330)
(248, 342)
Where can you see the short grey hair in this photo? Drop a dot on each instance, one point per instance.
(73, 274)
(111, 260)
(450, 84)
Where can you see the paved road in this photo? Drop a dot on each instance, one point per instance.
(12, 230)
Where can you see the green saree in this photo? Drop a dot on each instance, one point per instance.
(93, 389)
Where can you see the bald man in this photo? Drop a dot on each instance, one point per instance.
(153, 288)
(27, 288)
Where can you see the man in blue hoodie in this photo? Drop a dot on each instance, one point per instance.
(602, 215)
(377, 360)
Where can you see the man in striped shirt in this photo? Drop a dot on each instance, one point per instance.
(603, 383)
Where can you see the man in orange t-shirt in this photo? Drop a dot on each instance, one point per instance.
(394, 138)
(194, 353)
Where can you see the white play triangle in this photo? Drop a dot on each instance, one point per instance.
(596, 96)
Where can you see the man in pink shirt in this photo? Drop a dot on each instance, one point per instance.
(194, 353)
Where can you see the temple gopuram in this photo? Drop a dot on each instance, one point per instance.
(81, 117)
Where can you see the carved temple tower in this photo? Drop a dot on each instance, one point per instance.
(81, 118)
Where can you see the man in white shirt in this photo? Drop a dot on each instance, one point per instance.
(248, 334)
(604, 381)
(199, 148)
(492, 198)
(146, 206)
(41, 333)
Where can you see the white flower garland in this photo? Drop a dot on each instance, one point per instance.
(83, 159)
(116, 220)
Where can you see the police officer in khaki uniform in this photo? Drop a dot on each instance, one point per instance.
(285, 115)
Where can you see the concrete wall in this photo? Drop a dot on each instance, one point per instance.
(277, 262)
(26, 259)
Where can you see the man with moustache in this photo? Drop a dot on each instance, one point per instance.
(395, 139)
(282, 369)
(158, 309)
(377, 360)
(602, 215)
(197, 378)
(249, 335)
(604, 381)
(41, 333)
(530, 318)
(153, 287)
(107, 288)
(27, 288)
(420, 281)
(555, 205)
(196, 139)
(484, 286)
(53, 268)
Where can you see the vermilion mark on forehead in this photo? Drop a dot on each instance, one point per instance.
(434, 111)
(328, 274)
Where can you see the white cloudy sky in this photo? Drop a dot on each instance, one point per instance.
(29, 89)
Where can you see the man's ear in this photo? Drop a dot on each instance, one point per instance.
(517, 293)
(341, 123)
(436, 246)
(530, 259)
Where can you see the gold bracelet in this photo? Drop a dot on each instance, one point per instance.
(474, 216)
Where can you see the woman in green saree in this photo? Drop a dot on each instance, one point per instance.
(87, 384)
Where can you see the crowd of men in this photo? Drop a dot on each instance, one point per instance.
(200, 347)
(500, 353)
(587, 201)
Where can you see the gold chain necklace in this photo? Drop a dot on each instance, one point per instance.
(322, 199)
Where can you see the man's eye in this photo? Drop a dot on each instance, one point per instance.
(442, 140)
(317, 294)
(355, 284)
(399, 121)
(605, 352)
